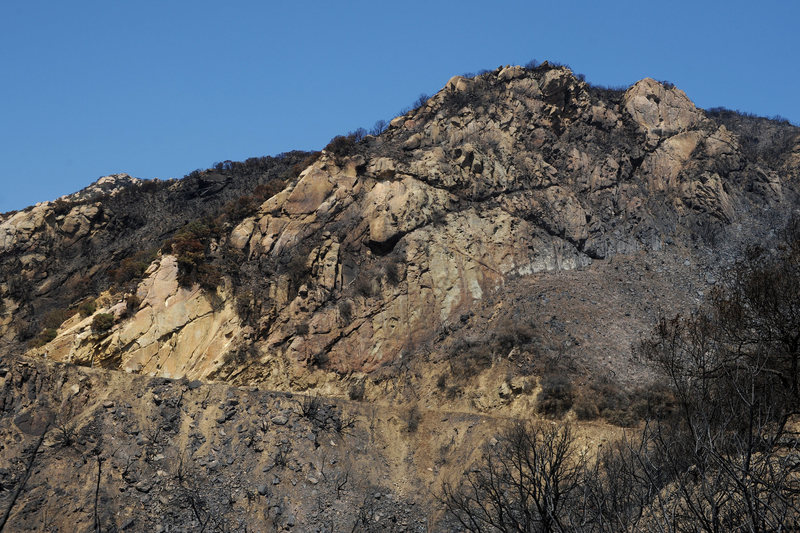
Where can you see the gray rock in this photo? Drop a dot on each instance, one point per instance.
(279, 420)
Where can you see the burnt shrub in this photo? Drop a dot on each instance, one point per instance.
(341, 145)
(412, 417)
(242, 207)
(393, 271)
(62, 207)
(556, 396)
(468, 358)
(624, 418)
(509, 333)
(379, 127)
(364, 284)
(297, 268)
(655, 402)
(192, 269)
(356, 391)
(319, 359)
(298, 168)
(133, 267)
(54, 318)
(248, 205)
(345, 311)
(421, 100)
(310, 407)
(585, 408)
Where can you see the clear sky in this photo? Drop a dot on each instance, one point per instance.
(159, 88)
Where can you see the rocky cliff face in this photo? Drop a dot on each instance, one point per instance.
(361, 259)
(497, 251)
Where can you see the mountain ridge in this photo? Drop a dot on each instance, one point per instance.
(496, 252)
(512, 147)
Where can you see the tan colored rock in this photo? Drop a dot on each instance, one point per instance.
(19, 228)
(382, 168)
(655, 107)
(175, 333)
(399, 206)
(511, 73)
(458, 84)
(413, 142)
(240, 236)
(663, 165)
(313, 187)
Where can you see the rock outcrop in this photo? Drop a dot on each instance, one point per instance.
(173, 332)
(498, 249)
(366, 255)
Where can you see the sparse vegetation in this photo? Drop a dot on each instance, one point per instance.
(412, 418)
(87, 308)
(102, 322)
(132, 303)
(720, 443)
(133, 267)
(46, 335)
(356, 391)
(345, 311)
(191, 246)
(556, 396)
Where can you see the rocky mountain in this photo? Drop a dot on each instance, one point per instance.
(497, 251)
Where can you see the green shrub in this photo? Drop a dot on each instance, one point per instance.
(87, 308)
(190, 246)
(47, 335)
(102, 322)
(132, 303)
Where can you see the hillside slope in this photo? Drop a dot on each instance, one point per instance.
(495, 252)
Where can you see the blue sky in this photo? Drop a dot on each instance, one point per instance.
(157, 89)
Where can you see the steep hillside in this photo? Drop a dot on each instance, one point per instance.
(495, 252)
(379, 248)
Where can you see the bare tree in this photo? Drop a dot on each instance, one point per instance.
(527, 482)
